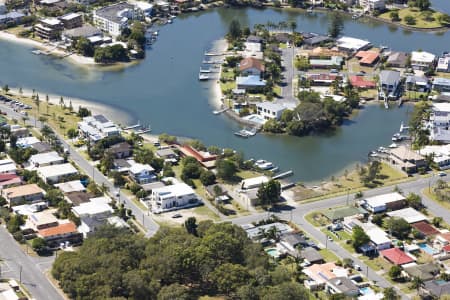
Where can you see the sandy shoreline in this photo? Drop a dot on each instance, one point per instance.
(215, 98)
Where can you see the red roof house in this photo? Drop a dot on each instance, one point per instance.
(446, 248)
(397, 256)
(251, 66)
(367, 58)
(206, 159)
(425, 228)
(360, 82)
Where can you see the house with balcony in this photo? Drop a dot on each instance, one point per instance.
(389, 84)
(97, 127)
(29, 193)
(270, 110)
(49, 29)
(441, 85)
(173, 197)
(422, 60)
(439, 122)
(114, 18)
(141, 173)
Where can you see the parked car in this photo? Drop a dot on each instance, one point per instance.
(442, 174)
(177, 216)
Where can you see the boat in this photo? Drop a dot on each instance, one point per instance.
(396, 137)
(264, 165)
(205, 70)
(202, 77)
(37, 52)
(310, 10)
(169, 21)
(354, 17)
(242, 134)
(393, 145)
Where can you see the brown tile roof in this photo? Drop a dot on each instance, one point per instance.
(425, 228)
(250, 62)
(58, 230)
(23, 190)
(367, 57)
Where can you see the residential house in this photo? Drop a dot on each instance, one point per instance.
(334, 62)
(381, 203)
(435, 288)
(439, 153)
(368, 58)
(97, 207)
(256, 233)
(12, 17)
(114, 18)
(323, 79)
(85, 31)
(371, 5)
(97, 127)
(417, 83)
(9, 179)
(45, 159)
(49, 29)
(121, 150)
(168, 155)
(24, 193)
(62, 233)
(19, 131)
(439, 122)
(252, 50)
(397, 257)
(270, 110)
(443, 64)
(254, 39)
(311, 256)
(362, 83)
(29, 209)
(441, 84)
(41, 220)
(425, 228)
(320, 274)
(406, 160)
(255, 182)
(144, 7)
(378, 238)
(251, 83)
(251, 66)
(408, 214)
(71, 186)
(7, 166)
(343, 286)
(397, 59)
(173, 197)
(122, 165)
(78, 198)
(313, 40)
(425, 272)
(41, 147)
(421, 60)
(389, 84)
(89, 225)
(27, 142)
(56, 173)
(349, 44)
(206, 159)
(142, 173)
(71, 20)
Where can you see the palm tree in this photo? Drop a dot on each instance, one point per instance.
(292, 25)
(416, 283)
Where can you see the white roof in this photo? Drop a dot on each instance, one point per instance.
(143, 5)
(138, 168)
(45, 158)
(377, 296)
(8, 294)
(71, 186)
(383, 199)
(27, 141)
(352, 43)
(51, 21)
(7, 165)
(378, 236)
(271, 106)
(70, 16)
(249, 182)
(175, 190)
(57, 170)
(409, 214)
(94, 207)
(441, 107)
(422, 56)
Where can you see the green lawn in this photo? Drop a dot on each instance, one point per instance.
(205, 211)
(433, 197)
(227, 85)
(419, 16)
(317, 219)
(328, 255)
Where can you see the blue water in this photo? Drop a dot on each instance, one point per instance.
(366, 291)
(425, 247)
(273, 252)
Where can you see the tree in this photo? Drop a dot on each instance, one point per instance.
(410, 20)
(390, 294)
(437, 221)
(416, 283)
(336, 25)
(226, 169)
(359, 237)
(207, 178)
(191, 225)
(84, 47)
(395, 272)
(234, 31)
(394, 16)
(269, 193)
(398, 227)
(5, 89)
(72, 133)
(414, 201)
(38, 245)
(228, 277)
(174, 291)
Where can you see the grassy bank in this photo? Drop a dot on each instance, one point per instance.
(423, 19)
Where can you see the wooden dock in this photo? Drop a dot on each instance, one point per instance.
(284, 174)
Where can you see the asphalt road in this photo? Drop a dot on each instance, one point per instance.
(287, 96)
(18, 265)
(297, 215)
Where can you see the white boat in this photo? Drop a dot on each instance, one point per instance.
(264, 165)
(169, 21)
(202, 77)
(393, 145)
(205, 70)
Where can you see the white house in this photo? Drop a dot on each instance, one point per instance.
(55, 173)
(141, 173)
(71, 186)
(270, 110)
(172, 197)
(350, 44)
(409, 214)
(96, 207)
(441, 84)
(441, 155)
(439, 122)
(114, 18)
(7, 166)
(377, 236)
(370, 5)
(421, 60)
(251, 183)
(443, 64)
(97, 127)
(380, 203)
(45, 159)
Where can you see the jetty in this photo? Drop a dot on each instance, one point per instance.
(138, 125)
(218, 112)
(284, 175)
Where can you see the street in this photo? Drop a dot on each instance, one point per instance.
(287, 96)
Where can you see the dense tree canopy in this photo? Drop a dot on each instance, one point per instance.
(218, 260)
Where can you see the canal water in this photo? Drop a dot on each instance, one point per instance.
(163, 90)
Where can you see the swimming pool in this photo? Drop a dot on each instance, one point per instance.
(425, 247)
(273, 252)
(366, 291)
